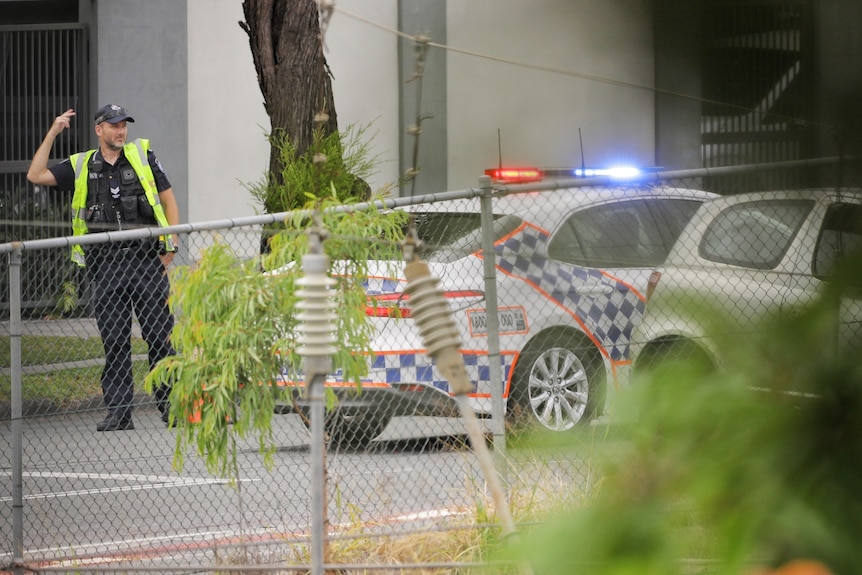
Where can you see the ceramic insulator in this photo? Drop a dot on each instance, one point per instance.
(429, 310)
(317, 329)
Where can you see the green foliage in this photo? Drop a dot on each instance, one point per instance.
(347, 163)
(756, 464)
(236, 326)
(68, 299)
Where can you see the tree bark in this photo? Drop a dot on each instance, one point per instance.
(291, 70)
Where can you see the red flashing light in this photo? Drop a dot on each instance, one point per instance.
(515, 175)
(389, 305)
(386, 311)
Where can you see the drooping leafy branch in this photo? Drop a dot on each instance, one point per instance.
(236, 322)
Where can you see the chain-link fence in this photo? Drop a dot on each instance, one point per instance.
(589, 277)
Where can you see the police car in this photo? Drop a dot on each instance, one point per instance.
(572, 267)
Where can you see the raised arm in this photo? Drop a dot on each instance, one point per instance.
(39, 172)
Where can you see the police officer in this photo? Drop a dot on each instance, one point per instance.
(119, 185)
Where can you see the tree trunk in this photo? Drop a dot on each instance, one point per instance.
(291, 70)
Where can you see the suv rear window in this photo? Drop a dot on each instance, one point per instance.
(754, 234)
(840, 235)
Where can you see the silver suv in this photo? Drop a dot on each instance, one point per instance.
(745, 258)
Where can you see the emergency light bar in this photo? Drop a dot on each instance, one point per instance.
(527, 175)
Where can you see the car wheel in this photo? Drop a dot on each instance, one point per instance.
(353, 431)
(558, 384)
(662, 353)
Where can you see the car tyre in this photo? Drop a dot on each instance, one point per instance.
(662, 353)
(351, 431)
(558, 382)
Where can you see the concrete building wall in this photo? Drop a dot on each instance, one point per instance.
(141, 64)
(678, 53)
(423, 93)
(539, 109)
(539, 72)
(227, 122)
(839, 76)
(363, 59)
(193, 88)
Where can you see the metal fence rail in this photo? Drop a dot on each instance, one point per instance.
(553, 294)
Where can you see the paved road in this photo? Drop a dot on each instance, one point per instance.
(114, 498)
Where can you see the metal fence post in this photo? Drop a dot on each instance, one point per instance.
(316, 346)
(314, 384)
(498, 408)
(15, 329)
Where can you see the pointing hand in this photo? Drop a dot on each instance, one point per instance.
(63, 121)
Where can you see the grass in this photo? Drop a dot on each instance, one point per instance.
(64, 385)
(541, 485)
(42, 350)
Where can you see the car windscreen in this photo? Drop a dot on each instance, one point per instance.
(449, 236)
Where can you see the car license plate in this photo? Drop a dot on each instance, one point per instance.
(512, 320)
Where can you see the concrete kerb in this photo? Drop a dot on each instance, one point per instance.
(42, 407)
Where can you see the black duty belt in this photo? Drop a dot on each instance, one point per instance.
(140, 248)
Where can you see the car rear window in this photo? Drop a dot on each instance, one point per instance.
(629, 234)
(449, 236)
(754, 234)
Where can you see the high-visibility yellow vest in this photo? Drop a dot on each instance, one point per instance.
(136, 154)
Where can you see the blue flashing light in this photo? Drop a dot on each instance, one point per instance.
(616, 172)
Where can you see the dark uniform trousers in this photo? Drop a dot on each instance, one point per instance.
(123, 279)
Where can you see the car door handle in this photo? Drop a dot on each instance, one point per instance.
(594, 289)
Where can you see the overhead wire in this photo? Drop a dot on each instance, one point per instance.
(585, 76)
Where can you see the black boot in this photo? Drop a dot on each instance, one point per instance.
(115, 422)
(166, 419)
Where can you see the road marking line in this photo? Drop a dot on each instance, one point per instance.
(105, 476)
(152, 482)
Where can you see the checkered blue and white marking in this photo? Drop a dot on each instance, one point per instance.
(610, 318)
(416, 367)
